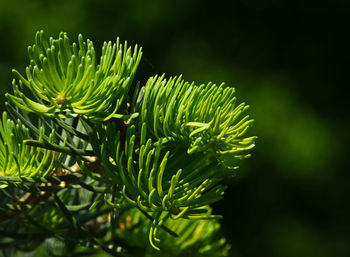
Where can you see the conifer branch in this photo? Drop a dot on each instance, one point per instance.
(86, 151)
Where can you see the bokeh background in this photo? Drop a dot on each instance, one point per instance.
(288, 59)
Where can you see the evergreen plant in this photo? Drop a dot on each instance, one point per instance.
(93, 163)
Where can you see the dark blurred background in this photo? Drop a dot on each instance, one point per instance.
(288, 59)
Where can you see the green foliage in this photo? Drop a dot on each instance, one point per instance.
(69, 81)
(94, 154)
(165, 184)
(18, 159)
(196, 238)
(205, 118)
